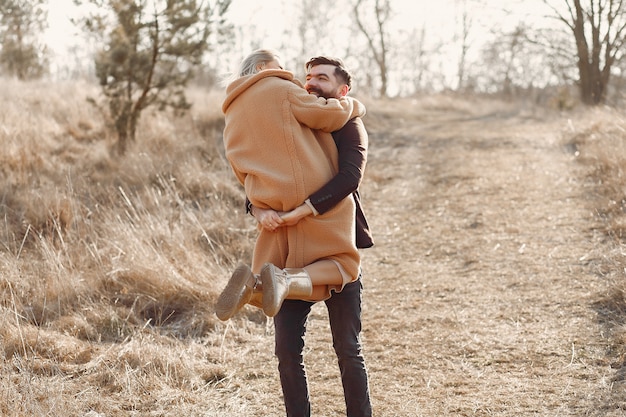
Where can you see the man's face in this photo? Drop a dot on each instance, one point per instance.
(322, 82)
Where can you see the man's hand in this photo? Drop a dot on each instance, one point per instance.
(271, 220)
(292, 217)
(267, 218)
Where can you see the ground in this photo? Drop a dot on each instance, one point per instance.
(479, 293)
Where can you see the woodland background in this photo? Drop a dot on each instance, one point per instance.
(496, 191)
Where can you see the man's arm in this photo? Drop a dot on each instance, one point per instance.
(352, 143)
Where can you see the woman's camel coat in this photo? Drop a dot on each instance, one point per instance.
(277, 142)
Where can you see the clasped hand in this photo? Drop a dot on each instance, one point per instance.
(271, 220)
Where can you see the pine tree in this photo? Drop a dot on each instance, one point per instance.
(148, 55)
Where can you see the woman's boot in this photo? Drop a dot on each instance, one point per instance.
(239, 291)
(279, 284)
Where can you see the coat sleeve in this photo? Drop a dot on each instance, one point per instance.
(352, 143)
(326, 115)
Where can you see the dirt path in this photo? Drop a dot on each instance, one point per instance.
(478, 294)
(478, 301)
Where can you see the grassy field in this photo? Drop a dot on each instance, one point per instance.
(496, 286)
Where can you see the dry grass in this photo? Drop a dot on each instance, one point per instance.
(496, 287)
(110, 266)
(601, 148)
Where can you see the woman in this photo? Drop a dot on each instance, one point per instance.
(278, 142)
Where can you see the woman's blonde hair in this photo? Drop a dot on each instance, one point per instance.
(250, 65)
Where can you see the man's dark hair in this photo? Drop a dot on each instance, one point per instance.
(340, 69)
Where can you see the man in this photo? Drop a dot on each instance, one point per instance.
(328, 78)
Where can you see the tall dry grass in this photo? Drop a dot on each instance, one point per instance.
(110, 265)
(599, 142)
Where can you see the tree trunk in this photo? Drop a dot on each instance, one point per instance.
(592, 80)
(125, 127)
(122, 140)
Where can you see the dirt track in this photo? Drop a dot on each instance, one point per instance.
(479, 292)
(479, 298)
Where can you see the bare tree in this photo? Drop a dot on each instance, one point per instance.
(377, 40)
(514, 65)
(501, 57)
(312, 29)
(464, 35)
(599, 31)
(413, 64)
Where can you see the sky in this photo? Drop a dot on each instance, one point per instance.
(61, 33)
(269, 20)
(271, 16)
(57, 35)
(268, 16)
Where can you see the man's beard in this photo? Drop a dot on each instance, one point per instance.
(318, 92)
